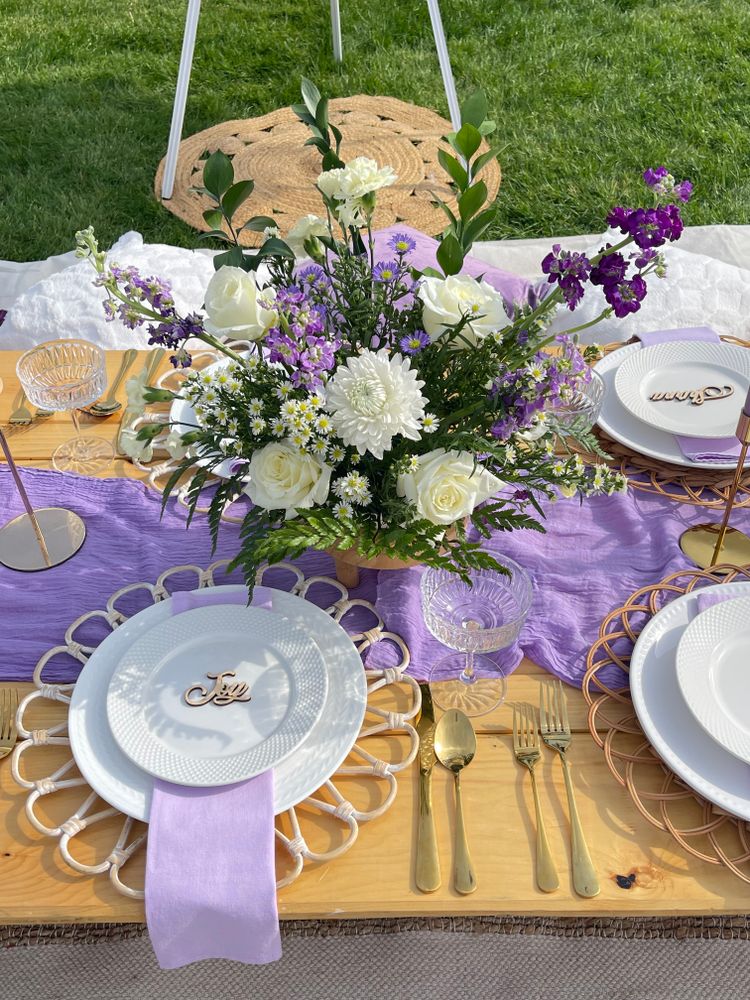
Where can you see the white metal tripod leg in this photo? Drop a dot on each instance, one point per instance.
(338, 53)
(180, 97)
(445, 63)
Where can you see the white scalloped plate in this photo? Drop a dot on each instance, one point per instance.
(665, 717)
(686, 366)
(622, 426)
(128, 788)
(713, 671)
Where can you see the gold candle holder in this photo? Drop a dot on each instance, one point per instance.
(38, 539)
(705, 544)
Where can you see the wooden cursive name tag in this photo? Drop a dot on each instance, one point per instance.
(697, 397)
(224, 691)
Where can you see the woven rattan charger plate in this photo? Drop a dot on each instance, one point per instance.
(698, 487)
(699, 827)
(271, 151)
(96, 839)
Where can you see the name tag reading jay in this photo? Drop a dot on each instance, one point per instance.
(224, 692)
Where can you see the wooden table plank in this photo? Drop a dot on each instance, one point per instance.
(375, 877)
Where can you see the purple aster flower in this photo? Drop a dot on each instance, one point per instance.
(569, 270)
(401, 244)
(626, 297)
(385, 272)
(414, 342)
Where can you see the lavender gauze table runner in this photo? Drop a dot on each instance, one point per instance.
(592, 557)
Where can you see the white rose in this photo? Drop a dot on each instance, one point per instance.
(308, 227)
(447, 486)
(234, 306)
(283, 478)
(445, 301)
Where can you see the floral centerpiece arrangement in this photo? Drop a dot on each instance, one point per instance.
(377, 406)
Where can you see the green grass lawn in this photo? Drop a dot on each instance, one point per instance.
(586, 93)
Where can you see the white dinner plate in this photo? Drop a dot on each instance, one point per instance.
(162, 713)
(183, 419)
(622, 426)
(695, 388)
(665, 717)
(125, 786)
(713, 671)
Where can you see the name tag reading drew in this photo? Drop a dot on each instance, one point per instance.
(697, 397)
(224, 691)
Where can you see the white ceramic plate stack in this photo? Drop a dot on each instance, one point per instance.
(633, 374)
(129, 723)
(690, 684)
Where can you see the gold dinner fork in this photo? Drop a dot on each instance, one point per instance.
(555, 729)
(21, 415)
(8, 709)
(528, 752)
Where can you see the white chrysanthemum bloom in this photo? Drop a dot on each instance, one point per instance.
(445, 301)
(306, 228)
(374, 397)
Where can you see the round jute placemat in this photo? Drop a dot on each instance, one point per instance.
(271, 151)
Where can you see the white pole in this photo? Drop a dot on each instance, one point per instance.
(180, 97)
(445, 63)
(338, 52)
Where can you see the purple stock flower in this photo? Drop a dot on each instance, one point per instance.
(626, 296)
(385, 272)
(414, 342)
(649, 227)
(610, 269)
(655, 177)
(663, 183)
(401, 244)
(683, 190)
(569, 270)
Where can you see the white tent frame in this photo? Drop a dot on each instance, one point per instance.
(186, 65)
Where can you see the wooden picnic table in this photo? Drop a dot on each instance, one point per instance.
(375, 877)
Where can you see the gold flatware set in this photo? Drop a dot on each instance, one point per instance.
(8, 710)
(452, 742)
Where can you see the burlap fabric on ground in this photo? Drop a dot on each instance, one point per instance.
(441, 959)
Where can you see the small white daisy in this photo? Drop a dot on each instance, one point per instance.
(412, 464)
(251, 364)
(299, 439)
(337, 454)
(206, 378)
(323, 424)
(429, 423)
(343, 511)
(255, 406)
(278, 428)
(283, 390)
(316, 400)
(536, 372)
(289, 408)
(319, 447)
(257, 425)
(559, 467)
(510, 454)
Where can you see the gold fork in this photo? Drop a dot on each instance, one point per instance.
(8, 709)
(21, 415)
(528, 752)
(555, 729)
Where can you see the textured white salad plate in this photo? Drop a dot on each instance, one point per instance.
(622, 426)
(216, 744)
(183, 420)
(665, 717)
(686, 366)
(125, 786)
(713, 671)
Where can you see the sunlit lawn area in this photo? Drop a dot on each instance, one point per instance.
(586, 94)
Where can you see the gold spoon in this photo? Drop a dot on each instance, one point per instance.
(455, 746)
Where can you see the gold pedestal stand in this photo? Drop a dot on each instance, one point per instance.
(38, 539)
(705, 544)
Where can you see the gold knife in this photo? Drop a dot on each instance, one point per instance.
(427, 871)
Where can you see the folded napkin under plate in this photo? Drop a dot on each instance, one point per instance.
(210, 864)
(696, 449)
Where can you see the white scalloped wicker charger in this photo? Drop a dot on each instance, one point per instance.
(685, 365)
(713, 659)
(220, 744)
(327, 799)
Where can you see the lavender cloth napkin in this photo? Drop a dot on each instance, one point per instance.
(696, 449)
(210, 864)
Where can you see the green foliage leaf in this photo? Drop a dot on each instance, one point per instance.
(479, 225)
(259, 222)
(310, 95)
(483, 159)
(450, 256)
(213, 218)
(474, 109)
(232, 258)
(453, 168)
(472, 200)
(236, 195)
(218, 173)
(468, 140)
(274, 247)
